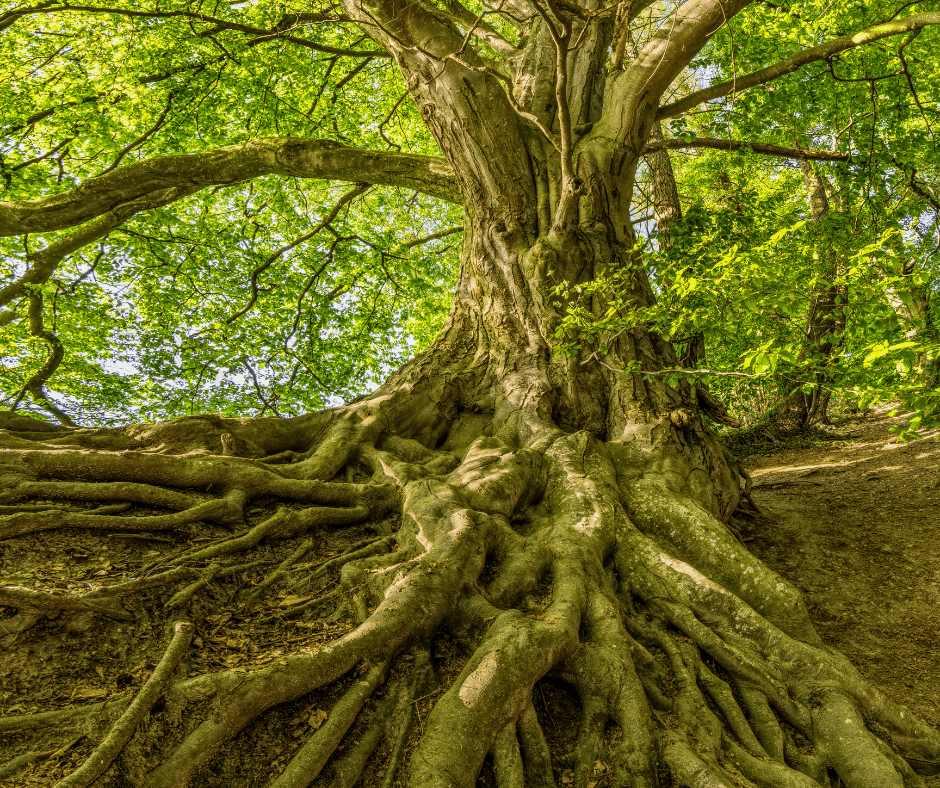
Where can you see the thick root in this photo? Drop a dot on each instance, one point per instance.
(426, 609)
(124, 728)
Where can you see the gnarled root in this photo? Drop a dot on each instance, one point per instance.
(124, 728)
(426, 609)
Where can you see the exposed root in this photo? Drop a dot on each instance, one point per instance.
(124, 728)
(764, 771)
(507, 759)
(537, 553)
(420, 683)
(32, 605)
(356, 552)
(255, 593)
(348, 769)
(111, 509)
(166, 578)
(723, 698)
(102, 491)
(311, 758)
(537, 757)
(27, 523)
(14, 766)
(206, 576)
(26, 723)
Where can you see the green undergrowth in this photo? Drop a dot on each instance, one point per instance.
(768, 436)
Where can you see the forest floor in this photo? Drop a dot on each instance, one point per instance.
(854, 523)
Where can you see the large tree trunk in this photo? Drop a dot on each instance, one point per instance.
(541, 526)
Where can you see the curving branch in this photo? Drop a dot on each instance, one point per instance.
(44, 262)
(762, 148)
(36, 385)
(278, 31)
(478, 27)
(298, 158)
(638, 87)
(433, 237)
(824, 51)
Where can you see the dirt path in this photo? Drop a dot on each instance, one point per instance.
(856, 526)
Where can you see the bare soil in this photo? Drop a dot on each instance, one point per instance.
(854, 524)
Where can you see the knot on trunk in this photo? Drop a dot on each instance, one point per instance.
(682, 418)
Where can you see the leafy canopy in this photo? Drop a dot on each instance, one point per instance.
(282, 294)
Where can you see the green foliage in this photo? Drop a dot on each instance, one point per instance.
(146, 314)
(149, 316)
(743, 265)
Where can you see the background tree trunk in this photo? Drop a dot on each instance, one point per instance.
(666, 211)
(825, 322)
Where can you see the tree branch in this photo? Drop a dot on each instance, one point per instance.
(640, 85)
(763, 148)
(449, 80)
(788, 65)
(36, 385)
(433, 237)
(479, 27)
(299, 158)
(45, 261)
(356, 191)
(278, 31)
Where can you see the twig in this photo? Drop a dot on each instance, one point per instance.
(359, 188)
(433, 237)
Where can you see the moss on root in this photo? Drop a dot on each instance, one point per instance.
(509, 604)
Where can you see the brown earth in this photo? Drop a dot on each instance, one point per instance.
(854, 524)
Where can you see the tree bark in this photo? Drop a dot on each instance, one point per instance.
(509, 523)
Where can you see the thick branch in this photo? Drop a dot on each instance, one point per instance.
(479, 27)
(44, 262)
(763, 148)
(299, 158)
(788, 65)
(461, 100)
(640, 86)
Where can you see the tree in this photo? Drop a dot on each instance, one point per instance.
(559, 519)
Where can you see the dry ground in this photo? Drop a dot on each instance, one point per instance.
(854, 524)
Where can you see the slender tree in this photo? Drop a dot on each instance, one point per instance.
(553, 517)
(825, 322)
